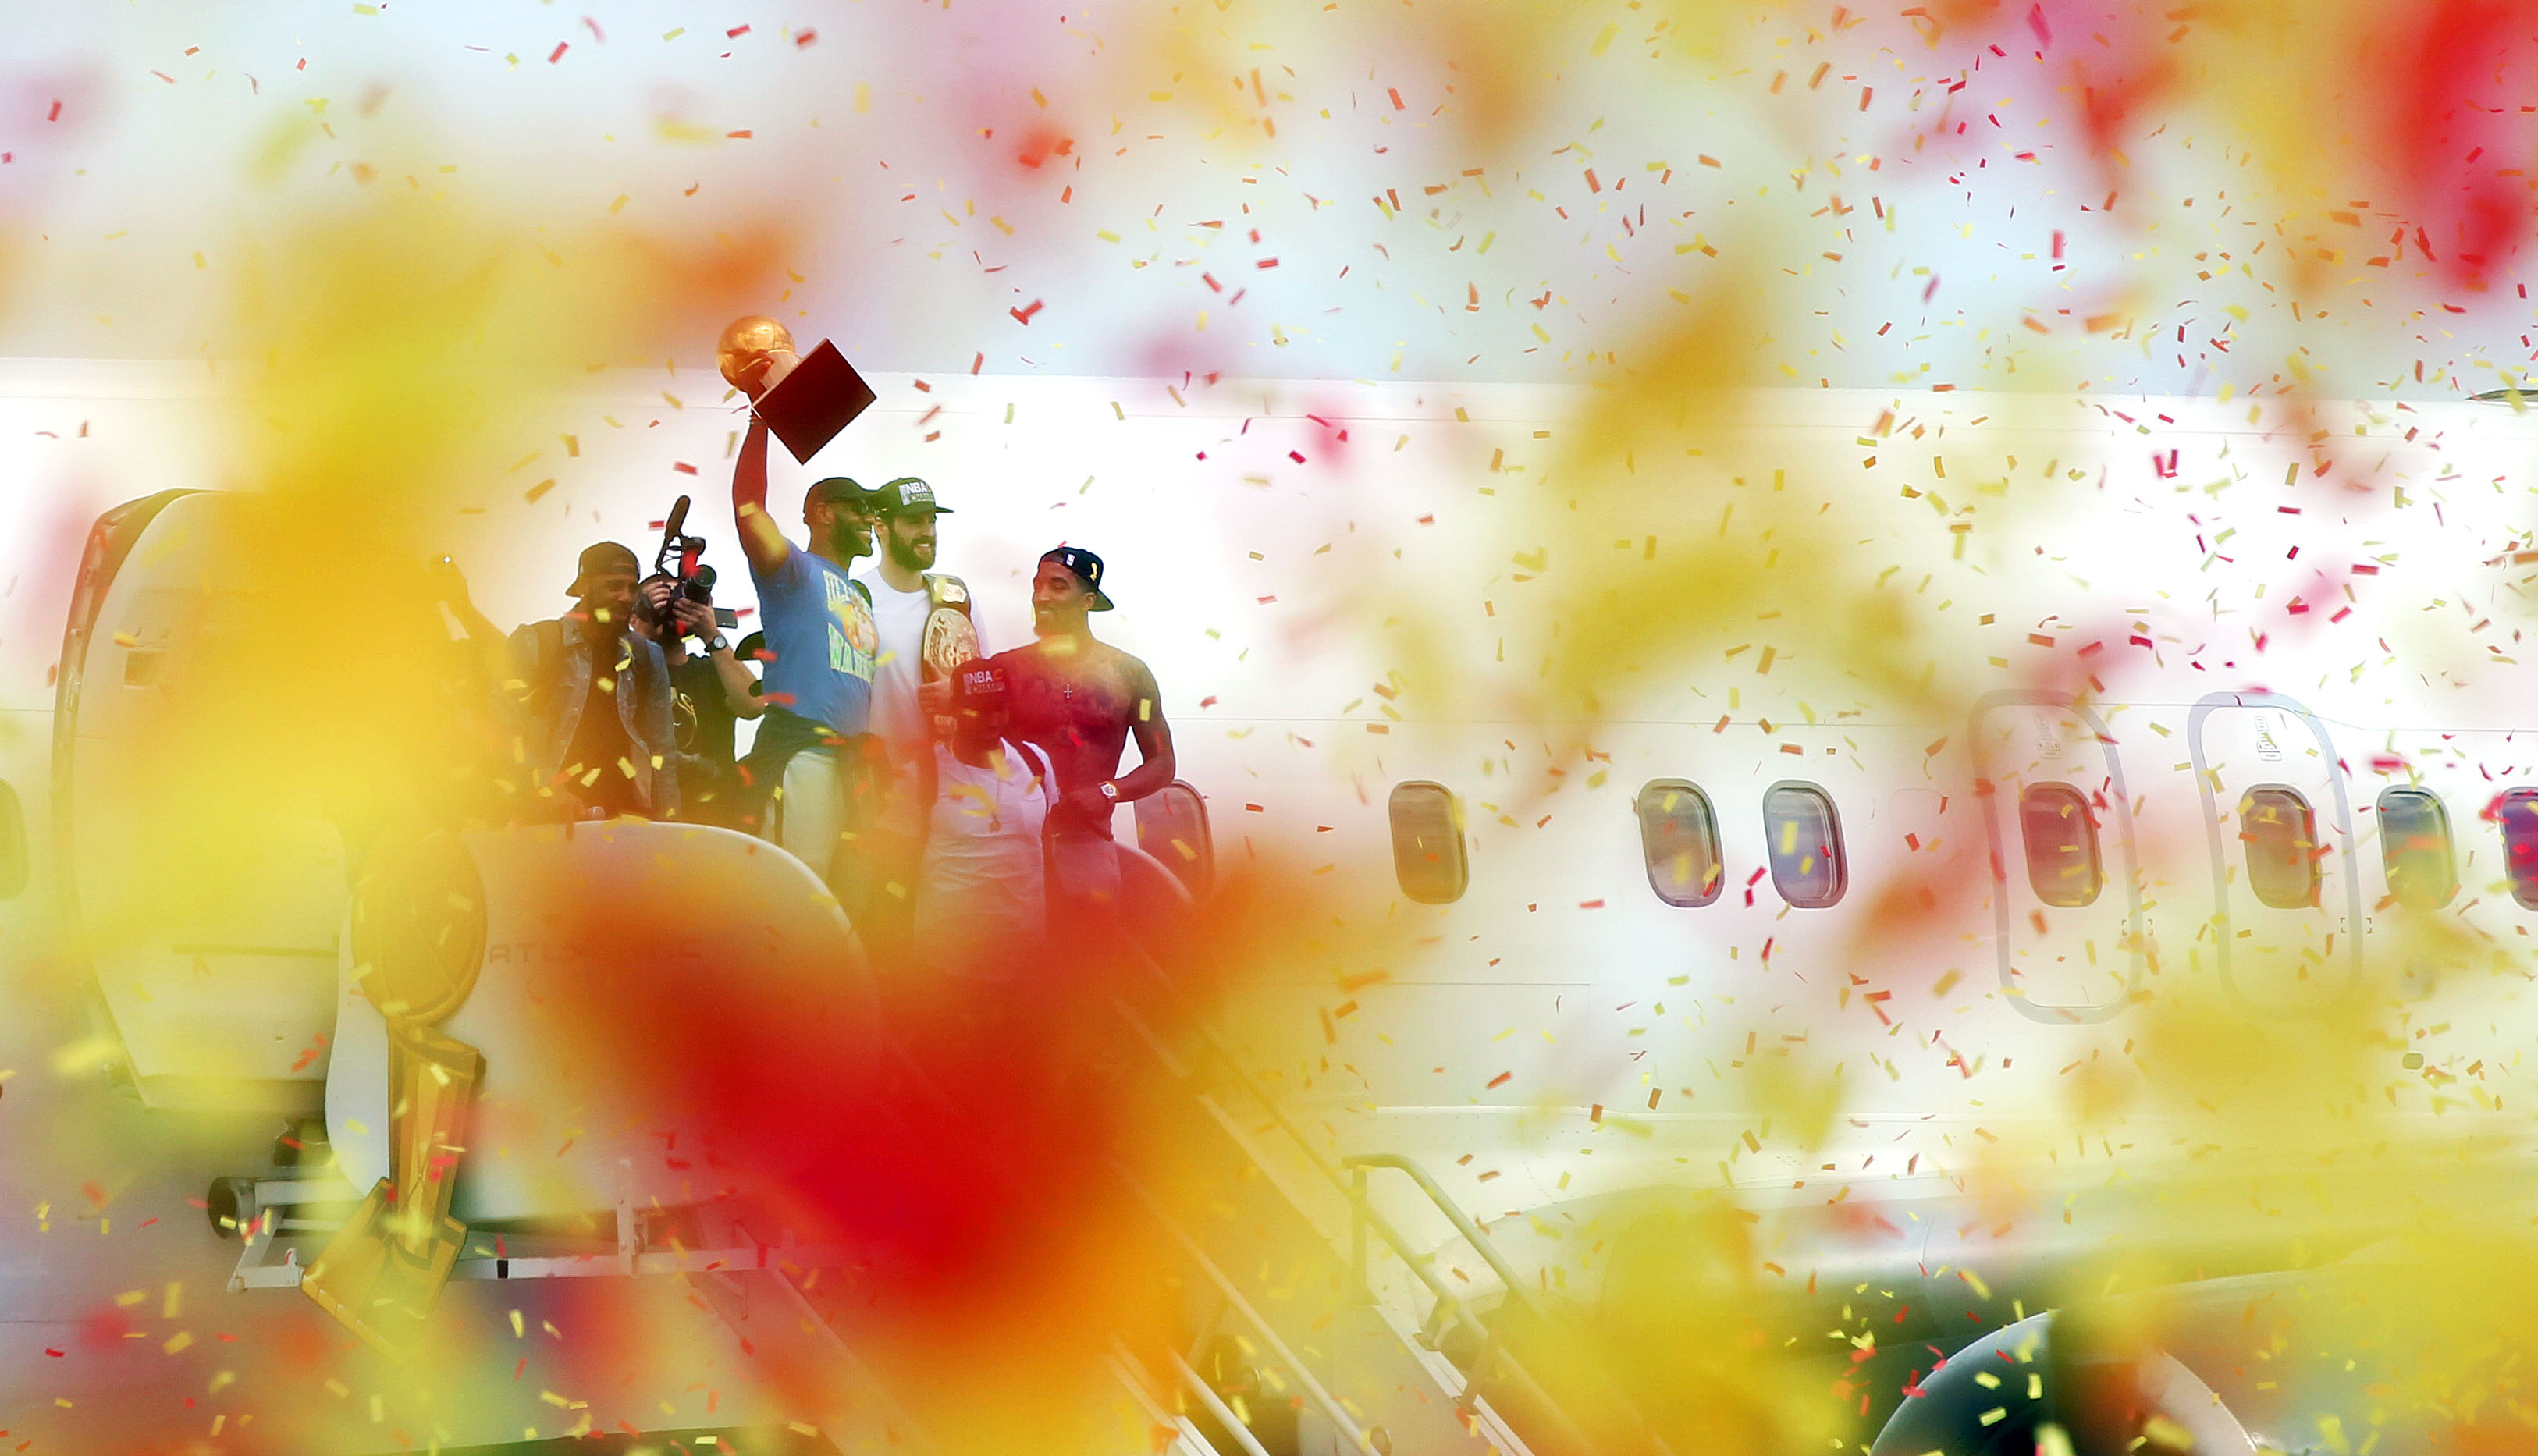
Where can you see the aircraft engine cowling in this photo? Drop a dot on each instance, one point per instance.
(2042, 1385)
(612, 976)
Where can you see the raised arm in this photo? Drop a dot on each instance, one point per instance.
(1156, 767)
(764, 543)
(739, 689)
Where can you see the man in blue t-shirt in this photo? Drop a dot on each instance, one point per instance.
(814, 746)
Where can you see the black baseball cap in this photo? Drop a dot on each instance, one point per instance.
(1087, 569)
(838, 489)
(601, 559)
(906, 495)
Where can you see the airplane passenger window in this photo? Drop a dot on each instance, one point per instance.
(1679, 832)
(2415, 848)
(1803, 834)
(2280, 832)
(2061, 834)
(1428, 856)
(13, 843)
(2517, 809)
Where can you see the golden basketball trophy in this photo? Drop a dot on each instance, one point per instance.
(804, 398)
(417, 958)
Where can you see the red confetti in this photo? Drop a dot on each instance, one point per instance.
(735, 33)
(683, 467)
(1499, 1081)
(56, 114)
(1395, 92)
(553, 56)
(805, 39)
(1024, 315)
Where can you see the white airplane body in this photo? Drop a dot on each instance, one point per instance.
(1975, 646)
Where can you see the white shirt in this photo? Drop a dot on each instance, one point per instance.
(899, 618)
(981, 894)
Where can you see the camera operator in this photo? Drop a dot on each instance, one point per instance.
(713, 690)
(599, 698)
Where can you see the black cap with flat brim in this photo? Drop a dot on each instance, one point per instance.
(1087, 569)
(907, 496)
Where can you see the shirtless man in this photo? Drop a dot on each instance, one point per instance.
(1080, 700)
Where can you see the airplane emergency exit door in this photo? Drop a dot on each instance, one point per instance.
(2286, 887)
(2065, 892)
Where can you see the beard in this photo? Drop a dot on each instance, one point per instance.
(912, 555)
(843, 541)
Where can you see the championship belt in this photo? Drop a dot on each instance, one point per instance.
(950, 638)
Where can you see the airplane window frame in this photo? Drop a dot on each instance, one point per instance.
(2041, 875)
(2525, 888)
(2258, 879)
(1836, 851)
(1406, 867)
(1707, 826)
(2389, 866)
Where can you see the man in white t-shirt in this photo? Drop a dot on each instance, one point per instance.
(982, 893)
(923, 622)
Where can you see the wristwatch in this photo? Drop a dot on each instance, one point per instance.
(1110, 791)
(717, 643)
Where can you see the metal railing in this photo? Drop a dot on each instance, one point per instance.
(1451, 1305)
(1351, 1186)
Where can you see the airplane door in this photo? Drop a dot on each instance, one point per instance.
(206, 895)
(2286, 886)
(2065, 897)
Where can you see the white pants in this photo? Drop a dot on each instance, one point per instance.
(810, 818)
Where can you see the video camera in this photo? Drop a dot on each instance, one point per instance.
(690, 577)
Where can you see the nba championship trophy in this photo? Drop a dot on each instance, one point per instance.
(805, 399)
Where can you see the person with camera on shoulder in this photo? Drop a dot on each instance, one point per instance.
(711, 690)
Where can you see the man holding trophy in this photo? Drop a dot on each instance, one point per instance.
(816, 757)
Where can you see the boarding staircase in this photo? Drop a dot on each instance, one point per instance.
(1308, 1322)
